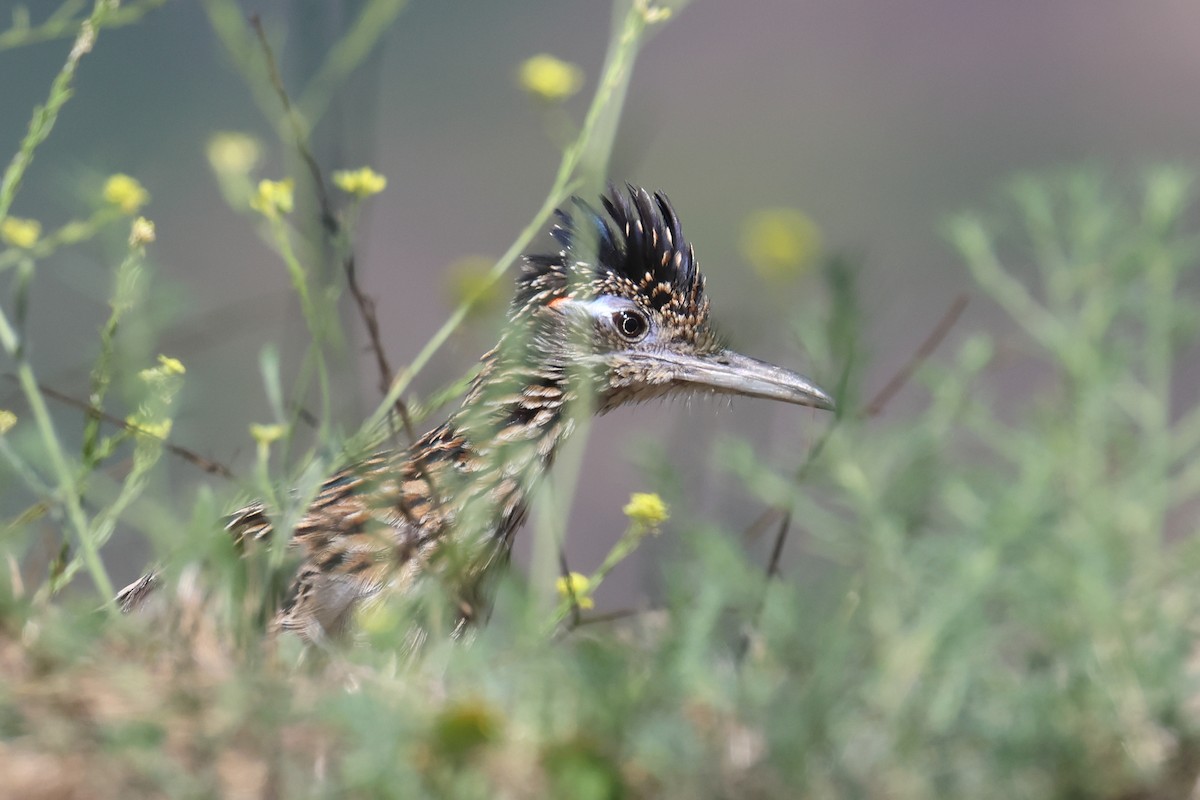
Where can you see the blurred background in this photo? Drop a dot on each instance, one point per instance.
(872, 120)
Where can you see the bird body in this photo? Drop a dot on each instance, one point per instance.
(618, 315)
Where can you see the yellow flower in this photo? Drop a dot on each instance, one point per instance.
(22, 233)
(265, 434)
(167, 368)
(125, 193)
(7, 421)
(159, 429)
(232, 153)
(780, 242)
(171, 366)
(577, 585)
(274, 198)
(360, 182)
(141, 232)
(550, 78)
(646, 509)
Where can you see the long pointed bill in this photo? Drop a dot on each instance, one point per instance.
(734, 373)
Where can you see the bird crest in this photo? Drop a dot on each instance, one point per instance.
(634, 248)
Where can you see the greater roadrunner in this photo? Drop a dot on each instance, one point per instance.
(618, 315)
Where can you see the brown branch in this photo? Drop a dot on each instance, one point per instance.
(211, 467)
(872, 409)
(611, 616)
(366, 310)
(785, 526)
(931, 342)
(333, 228)
(754, 528)
(328, 218)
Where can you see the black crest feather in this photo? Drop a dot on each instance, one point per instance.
(635, 247)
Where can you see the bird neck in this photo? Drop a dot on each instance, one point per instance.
(484, 461)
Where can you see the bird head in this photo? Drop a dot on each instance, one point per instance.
(623, 304)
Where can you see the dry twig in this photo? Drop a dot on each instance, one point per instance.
(333, 228)
(190, 456)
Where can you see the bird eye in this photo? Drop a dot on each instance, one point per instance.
(632, 324)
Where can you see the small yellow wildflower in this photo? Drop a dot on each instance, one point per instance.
(171, 366)
(780, 242)
(141, 232)
(125, 193)
(159, 429)
(22, 233)
(360, 182)
(7, 421)
(549, 78)
(646, 509)
(231, 153)
(575, 585)
(274, 198)
(167, 368)
(266, 434)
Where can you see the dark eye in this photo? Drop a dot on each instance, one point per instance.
(631, 324)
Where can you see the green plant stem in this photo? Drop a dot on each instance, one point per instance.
(228, 22)
(67, 490)
(102, 371)
(62, 23)
(625, 547)
(40, 126)
(314, 316)
(350, 51)
(46, 115)
(553, 510)
(584, 164)
(73, 232)
(975, 244)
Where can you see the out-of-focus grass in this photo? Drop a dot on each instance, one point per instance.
(1004, 604)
